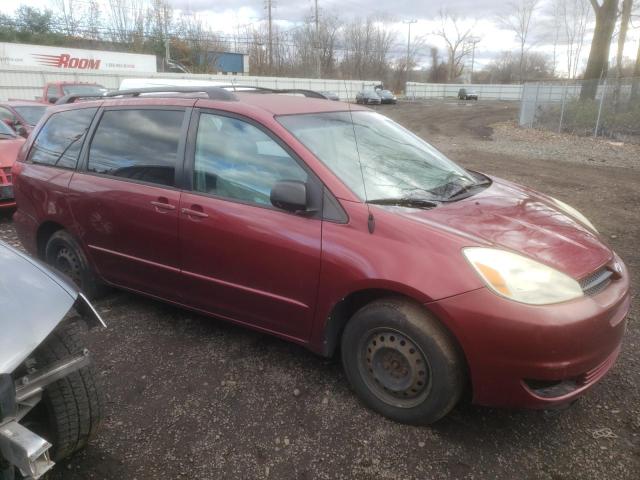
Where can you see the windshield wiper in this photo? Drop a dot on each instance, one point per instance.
(466, 188)
(405, 202)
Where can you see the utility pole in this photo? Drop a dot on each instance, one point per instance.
(167, 53)
(269, 7)
(409, 22)
(318, 72)
(473, 41)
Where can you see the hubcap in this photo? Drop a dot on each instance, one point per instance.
(395, 368)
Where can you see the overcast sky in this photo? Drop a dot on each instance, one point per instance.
(227, 15)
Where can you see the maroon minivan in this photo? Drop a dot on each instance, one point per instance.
(331, 226)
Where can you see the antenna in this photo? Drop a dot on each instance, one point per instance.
(371, 221)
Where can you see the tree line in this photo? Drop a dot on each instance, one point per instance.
(359, 48)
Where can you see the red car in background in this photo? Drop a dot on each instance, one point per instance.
(10, 144)
(21, 115)
(331, 226)
(54, 91)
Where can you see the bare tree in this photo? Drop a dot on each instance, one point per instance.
(367, 44)
(92, 19)
(126, 20)
(625, 18)
(598, 62)
(518, 20)
(575, 16)
(68, 15)
(456, 37)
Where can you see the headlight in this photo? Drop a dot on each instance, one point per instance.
(521, 279)
(572, 212)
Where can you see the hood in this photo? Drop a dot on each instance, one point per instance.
(33, 301)
(9, 148)
(519, 219)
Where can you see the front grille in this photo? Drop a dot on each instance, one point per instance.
(596, 282)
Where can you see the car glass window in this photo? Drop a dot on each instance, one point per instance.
(31, 114)
(6, 114)
(237, 160)
(137, 144)
(6, 130)
(59, 141)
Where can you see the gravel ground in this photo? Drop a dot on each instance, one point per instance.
(191, 397)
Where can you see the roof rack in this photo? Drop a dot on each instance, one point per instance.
(213, 92)
(301, 91)
(217, 92)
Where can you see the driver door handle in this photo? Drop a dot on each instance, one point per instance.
(194, 213)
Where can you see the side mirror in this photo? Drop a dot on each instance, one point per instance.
(52, 99)
(290, 195)
(21, 130)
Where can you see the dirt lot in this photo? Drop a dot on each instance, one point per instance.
(191, 397)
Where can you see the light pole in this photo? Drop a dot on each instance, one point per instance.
(408, 23)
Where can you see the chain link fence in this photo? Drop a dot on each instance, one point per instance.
(609, 108)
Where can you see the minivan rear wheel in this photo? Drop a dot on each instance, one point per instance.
(402, 362)
(64, 254)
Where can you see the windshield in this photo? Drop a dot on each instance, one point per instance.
(83, 89)
(31, 114)
(6, 130)
(386, 92)
(395, 162)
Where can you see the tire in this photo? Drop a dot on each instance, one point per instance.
(64, 254)
(402, 362)
(70, 411)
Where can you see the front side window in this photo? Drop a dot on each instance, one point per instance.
(137, 144)
(375, 157)
(237, 160)
(59, 141)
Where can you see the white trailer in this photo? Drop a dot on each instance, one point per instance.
(74, 59)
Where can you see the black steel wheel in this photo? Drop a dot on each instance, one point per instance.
(395, 368)
(64, 254)
(402, 362)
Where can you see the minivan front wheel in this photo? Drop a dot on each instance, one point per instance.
(64, 254)
(402, 362)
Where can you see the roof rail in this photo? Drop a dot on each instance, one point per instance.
(301, 91)
(218, 92)
(71, 98)
(213, 92)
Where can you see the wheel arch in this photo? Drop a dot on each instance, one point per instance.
(342, 312)
(44, 233)
(350, 304)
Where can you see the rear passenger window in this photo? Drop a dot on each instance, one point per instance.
(137, 144)
(60, 139)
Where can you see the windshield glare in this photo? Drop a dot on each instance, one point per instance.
(31, 114)
(395, 163)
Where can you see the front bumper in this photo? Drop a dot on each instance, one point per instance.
(526, 356)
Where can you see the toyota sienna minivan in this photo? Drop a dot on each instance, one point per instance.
(330, 226)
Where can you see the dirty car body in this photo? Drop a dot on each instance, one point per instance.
(507, 277)
(34, 300)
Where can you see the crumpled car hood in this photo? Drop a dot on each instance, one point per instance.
(516, 218)
(33, 301)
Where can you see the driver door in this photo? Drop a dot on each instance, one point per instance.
(242, 258)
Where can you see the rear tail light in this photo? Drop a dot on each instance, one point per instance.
(6, 177)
